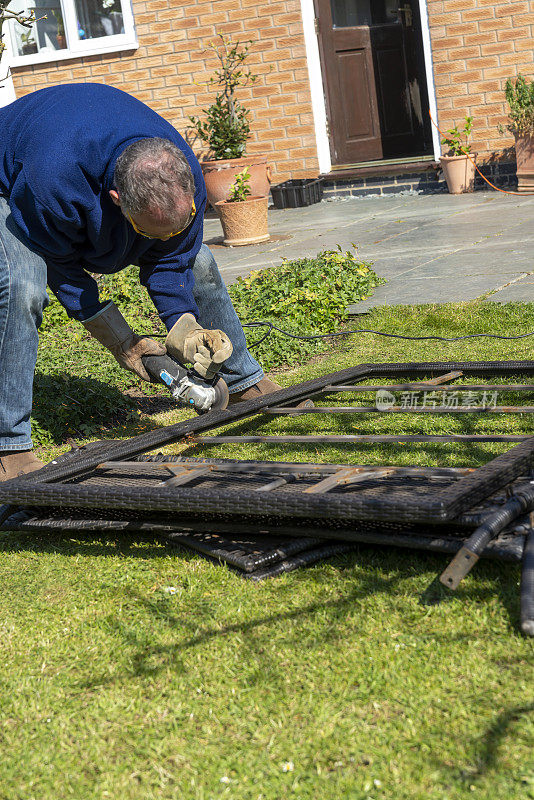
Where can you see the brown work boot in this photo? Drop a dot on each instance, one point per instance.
(260, 389)
(14, 463)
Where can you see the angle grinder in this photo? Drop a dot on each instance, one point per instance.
(185, 386)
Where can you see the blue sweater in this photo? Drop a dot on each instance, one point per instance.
(58, 149)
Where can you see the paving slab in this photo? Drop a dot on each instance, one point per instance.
(430, 248)
(521, 291)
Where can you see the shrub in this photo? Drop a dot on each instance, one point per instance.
(304, 296)
(520, 98)
(130, 297)
(226, 127)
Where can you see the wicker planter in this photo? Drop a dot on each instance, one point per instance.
(219, 176)
(459, 173)
(524, 152)
(244, 221)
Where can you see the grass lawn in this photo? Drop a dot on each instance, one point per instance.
(131, 670)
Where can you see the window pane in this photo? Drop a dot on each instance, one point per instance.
(97, 18)
(45, 35)
(350, 13)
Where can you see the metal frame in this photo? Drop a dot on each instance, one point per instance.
(62, 483)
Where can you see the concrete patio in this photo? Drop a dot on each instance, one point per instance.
(430, 248)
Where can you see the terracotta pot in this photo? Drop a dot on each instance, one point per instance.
(524, 152)
(61, 41)
(219, 176)
(243, 221)
(459, 173)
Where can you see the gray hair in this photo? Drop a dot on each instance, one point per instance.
(148, 176)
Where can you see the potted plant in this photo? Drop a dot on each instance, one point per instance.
(520, 98)
(226, 127)
(29, 45)
(243, 216)
(459, 163)
(60, 35)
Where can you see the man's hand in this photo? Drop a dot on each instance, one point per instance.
(111, 329)
(205, 350)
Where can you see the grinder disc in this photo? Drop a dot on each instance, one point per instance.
(222, 395)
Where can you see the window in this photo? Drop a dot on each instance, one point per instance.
(66, 28)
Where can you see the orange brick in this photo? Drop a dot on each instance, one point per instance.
(508, 35)
(130, 86)
(524, 19)
(495, 24)
(151, 83)
(240, 14)
(445, 19)
(487, 108)
(213, 18)
(512, 58)
(501, 119)
(499, 72)
(459, 30)
(497, 97)
(162, 72)
(523, 44)
(303, 152)
(458, 5)
(476, 14)
(485, 87)
(497, 48)
(230, 27)
(463, 53)
(291, 16)
(457, 89)
(447, 42)
(482, 62)
(81, 72)
(511, 9)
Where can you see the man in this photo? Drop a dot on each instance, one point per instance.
(92, 180)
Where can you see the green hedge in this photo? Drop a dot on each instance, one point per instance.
(303, 296)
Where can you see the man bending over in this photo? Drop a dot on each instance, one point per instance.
(91, 181)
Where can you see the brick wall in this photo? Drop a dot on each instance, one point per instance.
(476, 46)
(170, 69)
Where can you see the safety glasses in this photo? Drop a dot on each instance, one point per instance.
(170, 235)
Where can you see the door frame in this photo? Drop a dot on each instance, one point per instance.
(318, 89)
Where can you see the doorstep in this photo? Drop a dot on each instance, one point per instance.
(423, 176)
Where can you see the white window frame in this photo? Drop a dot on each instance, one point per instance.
(76, 47)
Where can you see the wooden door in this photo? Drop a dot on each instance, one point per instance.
(372, 59)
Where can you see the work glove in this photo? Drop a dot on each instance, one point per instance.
(206, 350)
(111, 329)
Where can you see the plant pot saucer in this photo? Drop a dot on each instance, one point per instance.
(248, 240)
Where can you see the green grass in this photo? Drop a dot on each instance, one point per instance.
(332, 682)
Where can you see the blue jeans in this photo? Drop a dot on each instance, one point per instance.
(22, 301)
(241, 370)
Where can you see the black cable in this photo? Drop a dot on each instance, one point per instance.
(271, 327)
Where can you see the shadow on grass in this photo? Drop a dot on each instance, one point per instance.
(65, 405)
(495, 734)
(486, 749)
(149, 658)
(84, 543)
